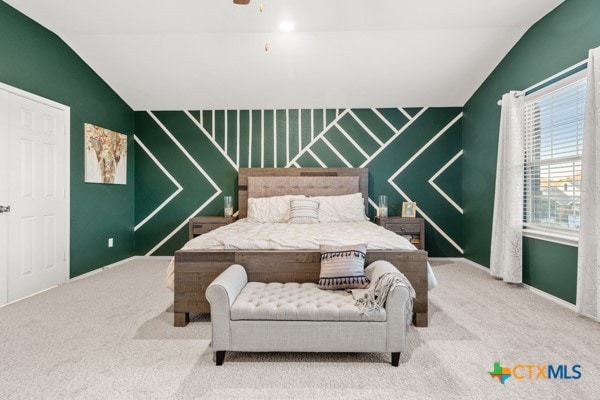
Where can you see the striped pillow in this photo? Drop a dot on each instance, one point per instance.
(343, 267)
(304, 211)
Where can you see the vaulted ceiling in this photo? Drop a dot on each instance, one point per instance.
(209, 54)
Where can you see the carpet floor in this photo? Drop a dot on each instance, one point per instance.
(110, 336)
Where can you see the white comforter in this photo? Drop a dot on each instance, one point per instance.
(253, 236)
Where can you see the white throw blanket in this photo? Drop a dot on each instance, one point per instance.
(375, 296)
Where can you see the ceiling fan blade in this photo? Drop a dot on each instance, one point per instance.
(241, 1)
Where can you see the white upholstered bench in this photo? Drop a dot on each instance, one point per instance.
(300, 317)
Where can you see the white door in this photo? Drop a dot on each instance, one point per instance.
(3, 197)
(37, 221)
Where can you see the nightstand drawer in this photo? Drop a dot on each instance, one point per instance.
(201, 225)
(413, 229)
(202, 228)
(403, 227)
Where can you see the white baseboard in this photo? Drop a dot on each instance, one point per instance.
(72, 280)
(590, 317)
(97, 270)
(550, 297)
(116, 264)
(94, 272)
(28, 296)
(536, 291)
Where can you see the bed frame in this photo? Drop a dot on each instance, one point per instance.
(196, 269)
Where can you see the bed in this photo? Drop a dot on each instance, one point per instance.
(201, 260)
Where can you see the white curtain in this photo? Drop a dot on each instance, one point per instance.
(506, 252)
(588, 269)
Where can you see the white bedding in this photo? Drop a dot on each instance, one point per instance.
(280, 236)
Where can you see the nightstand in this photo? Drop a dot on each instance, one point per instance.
(201, 225)
(411, 228)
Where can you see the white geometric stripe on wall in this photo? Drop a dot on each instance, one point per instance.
(407, 198)
(315, 133)
(368, 157)
(438, 189)
(214, 142)
(295, 138)
(167, 174)
(218, 190)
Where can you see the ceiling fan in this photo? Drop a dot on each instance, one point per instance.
(245, 2)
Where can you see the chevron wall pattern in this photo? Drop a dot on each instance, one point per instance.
(186, 161)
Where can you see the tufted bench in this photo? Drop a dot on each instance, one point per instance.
(255, 316)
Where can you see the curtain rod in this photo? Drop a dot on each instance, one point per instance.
(517, 94)
(562, 74)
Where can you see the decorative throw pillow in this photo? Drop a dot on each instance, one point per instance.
(270, 209)
(343, 267)
(344, 208)
(304, 211)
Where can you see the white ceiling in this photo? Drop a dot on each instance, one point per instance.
(208, 54)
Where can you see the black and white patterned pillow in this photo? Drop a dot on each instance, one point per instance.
(343, 267)
(304, 211)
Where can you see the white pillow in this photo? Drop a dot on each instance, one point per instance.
(304, 211)
(346, 208)
(270, 209)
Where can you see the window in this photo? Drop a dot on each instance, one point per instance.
(553, 125)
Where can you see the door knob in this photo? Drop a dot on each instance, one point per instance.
(4, 209)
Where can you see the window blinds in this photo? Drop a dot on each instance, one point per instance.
(553, 125)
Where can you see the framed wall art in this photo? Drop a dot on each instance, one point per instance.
(105, 156)
(409, 209)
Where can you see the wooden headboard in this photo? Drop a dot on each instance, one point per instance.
(330, 188)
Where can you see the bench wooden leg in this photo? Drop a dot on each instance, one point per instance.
(220, 357)
(181, 319)
(420, 320)
(395, 359)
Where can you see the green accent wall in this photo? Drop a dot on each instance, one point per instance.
(550, 267)
(421, 141)
(36, 60)
(201, 153)
(560, 39)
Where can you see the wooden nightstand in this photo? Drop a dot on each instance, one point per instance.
(201, 225)
(411, 228)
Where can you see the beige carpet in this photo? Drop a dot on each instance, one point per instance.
(110, 336)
